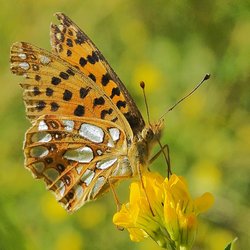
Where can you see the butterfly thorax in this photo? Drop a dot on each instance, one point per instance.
(140, 149)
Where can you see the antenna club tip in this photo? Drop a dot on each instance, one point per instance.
(207, 76)
(142, 84)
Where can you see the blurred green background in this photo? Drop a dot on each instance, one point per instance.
(170, 45)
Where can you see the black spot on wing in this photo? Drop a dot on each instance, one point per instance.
(49, 92)
(60, 167)
(69, 52)
(79, 111)
(70, 195)
(36, 91)
(121, 104)
(62, 37)
(70, 32)
(55, 80)
(40, 105)
(99, 101)
(37, 78)
(69, 42)
(67, 95)
(93, 58)
(83, 92)
(115, 119)
(48, 160)
(115, 91)
(67, 180)
(79, 38)
(64, 75)
(59, 48)
(70, 72)
(35, 67)
(92, 77)
(82, 61)
(105, 79)
(54, 106)
(106, 112)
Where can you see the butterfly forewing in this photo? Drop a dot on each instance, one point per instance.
(74, 46)
(52, 86)
(76, 156)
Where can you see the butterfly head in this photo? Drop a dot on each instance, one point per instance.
(152, 132)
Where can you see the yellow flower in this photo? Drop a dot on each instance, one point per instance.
(164, 211)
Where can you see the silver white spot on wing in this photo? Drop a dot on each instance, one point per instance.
(99, 152)
(98, 185)
(68, 125)
(38, 166)
(60, 27)
(91, 132)
(22, 56)
(104, 164)
(110, 143)
(39, 151)
(41, 137)
(51, 174)
(44, 59)
(42, 126)
(60, 189)
(58, 36)
(123, 168)
(83, 154)
(79, 169)
(115, 133)
(78, 192)
(24, 65)
(88, 176)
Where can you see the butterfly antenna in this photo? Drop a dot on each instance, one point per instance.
(206, 77)
(142, 84)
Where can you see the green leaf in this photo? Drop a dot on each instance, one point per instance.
(230, 245)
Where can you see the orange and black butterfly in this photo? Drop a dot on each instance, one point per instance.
(87, 133)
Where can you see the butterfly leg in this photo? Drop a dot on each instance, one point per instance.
(117, 202)
(112, 180)
(157, 154)
(166, 156)
(112, 187)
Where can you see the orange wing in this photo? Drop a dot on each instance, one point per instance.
(75, 47)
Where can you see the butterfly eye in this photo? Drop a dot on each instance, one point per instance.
(147, 134)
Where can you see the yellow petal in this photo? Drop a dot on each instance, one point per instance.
(204, 202)
(189, 228)
(134, 192)
(123, 218)
(137, 234)
(179, 188)
(171, 221)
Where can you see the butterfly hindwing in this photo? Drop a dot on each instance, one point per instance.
(76, 156)
(74, 46)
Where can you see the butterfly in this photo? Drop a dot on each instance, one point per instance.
(87, 132)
